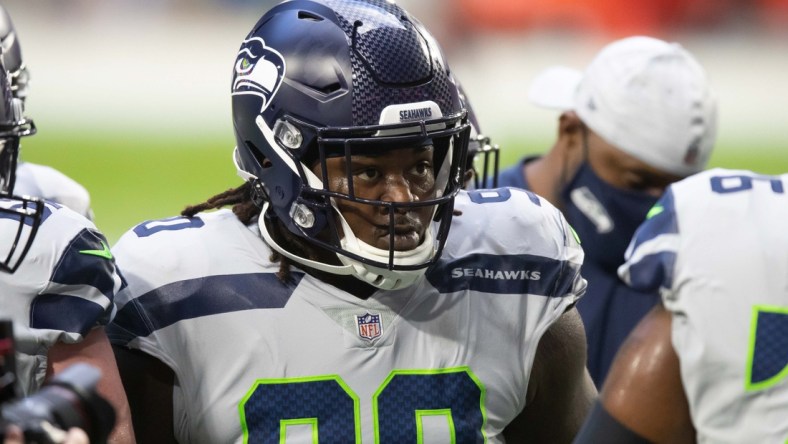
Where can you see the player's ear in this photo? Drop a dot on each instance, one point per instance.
(570, 143)
(570, 128)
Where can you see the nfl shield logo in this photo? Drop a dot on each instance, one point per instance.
(369, 325)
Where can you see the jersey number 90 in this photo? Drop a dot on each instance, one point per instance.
(407, 407)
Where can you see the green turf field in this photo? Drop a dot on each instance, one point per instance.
(134, 178)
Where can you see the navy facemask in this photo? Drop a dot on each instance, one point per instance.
(605, 217)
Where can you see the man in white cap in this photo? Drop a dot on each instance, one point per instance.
(640, 117)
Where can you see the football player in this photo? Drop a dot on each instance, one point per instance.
(708, 364)
(34, 179)
(353, 293)
(57, 279)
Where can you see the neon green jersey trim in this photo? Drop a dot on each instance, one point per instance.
(283, 424)
(446, 413)
(574, 233)
(749, 385)
(656, 209)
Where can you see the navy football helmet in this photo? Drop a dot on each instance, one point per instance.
(334, 78)
(12, 56)
(19, 216)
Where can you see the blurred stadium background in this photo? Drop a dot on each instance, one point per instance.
(131, 98)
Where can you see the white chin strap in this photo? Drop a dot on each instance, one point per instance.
(381, 277)
(375, 276)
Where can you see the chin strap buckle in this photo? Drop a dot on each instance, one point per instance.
(259, 194)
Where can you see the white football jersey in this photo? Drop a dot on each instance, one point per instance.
(50, 184)
(717, 246)
(64, 287)
(447, 359)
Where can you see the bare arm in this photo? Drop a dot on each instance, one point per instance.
(560, 391)
(148, 383)
(96, 350)
(643, 390)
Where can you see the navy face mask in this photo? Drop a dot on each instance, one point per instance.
(604, 217)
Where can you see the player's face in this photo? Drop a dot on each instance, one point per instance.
(401, 175)
(623, 171)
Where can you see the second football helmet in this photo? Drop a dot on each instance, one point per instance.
(315, 80)
(480, 151)
(12, 56)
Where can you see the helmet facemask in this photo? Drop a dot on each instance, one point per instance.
(483, 160)
(20, 218)
(9, 149)
(14, 127)
(315, 213)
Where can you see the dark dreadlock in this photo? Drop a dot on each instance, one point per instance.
(246, 211)
(240, 198)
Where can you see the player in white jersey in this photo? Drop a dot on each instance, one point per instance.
(709, 364)
(354, 294)
(57, 280)
(234, 335)
(34, 179)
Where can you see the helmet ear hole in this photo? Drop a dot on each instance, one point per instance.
(258, 155)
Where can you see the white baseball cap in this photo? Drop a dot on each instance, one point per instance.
(646, 97)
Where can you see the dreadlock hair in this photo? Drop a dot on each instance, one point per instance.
(247, 211)
(240, 198)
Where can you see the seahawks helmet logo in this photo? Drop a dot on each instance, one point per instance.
(259, 70)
